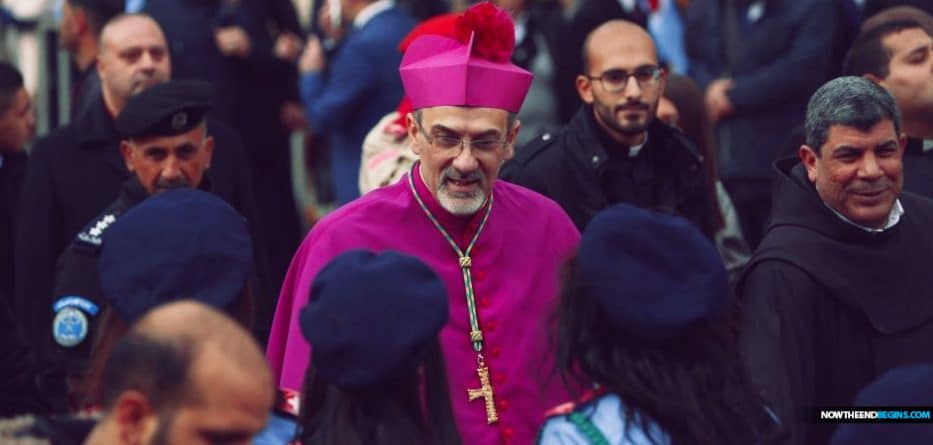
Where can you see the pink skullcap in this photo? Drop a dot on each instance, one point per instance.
(474, 71)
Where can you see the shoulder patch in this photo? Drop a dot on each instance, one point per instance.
(93, 232)
(70, 325)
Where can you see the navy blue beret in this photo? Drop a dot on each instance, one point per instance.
(898, 388)
(176, 244)
(653, 274)
(372, 316)
(166, 109)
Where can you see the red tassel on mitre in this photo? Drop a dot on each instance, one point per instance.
(492, 29)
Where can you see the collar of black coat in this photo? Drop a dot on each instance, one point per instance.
(131, 193)
(882, 275)
(591, 149)
(95, 125)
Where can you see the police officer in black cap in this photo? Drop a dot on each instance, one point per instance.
(166, 145)
(77, 171)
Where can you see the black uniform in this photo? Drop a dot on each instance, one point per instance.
(585, 172)
(12, 169)
(76, 303)
(85, 91)
(75, 173)
(828, 306)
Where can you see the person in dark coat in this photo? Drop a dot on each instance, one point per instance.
(79, 34)
(346, 94)
(836, 294)
(77, 171)
(758, 61)
(615, 150)
(231, 45)
(898, 55)
(165, 144)
(17, 127)
(18, 393)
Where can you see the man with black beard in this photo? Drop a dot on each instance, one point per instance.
(614, 150)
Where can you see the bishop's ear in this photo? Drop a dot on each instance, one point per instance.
(413, 131)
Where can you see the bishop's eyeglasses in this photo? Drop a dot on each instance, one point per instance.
(614, 81)
(445, 142)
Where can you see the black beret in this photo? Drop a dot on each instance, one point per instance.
(176, 244)
(372, 316)
(900, 389)
(653, 274)
(167, 109)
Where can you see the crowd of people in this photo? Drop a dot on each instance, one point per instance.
(587, 222)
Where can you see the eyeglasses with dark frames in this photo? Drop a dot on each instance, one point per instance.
(614, 81)
(451, 142)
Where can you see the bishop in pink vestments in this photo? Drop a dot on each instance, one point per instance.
(498, 247)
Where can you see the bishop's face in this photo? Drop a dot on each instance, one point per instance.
(461, 151)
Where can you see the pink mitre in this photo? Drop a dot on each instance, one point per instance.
(474, 71)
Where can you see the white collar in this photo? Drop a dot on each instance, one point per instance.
(893, 218)
(927, 145)
(370, 11)
(635, 149)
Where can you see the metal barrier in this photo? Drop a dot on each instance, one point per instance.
(33, 48)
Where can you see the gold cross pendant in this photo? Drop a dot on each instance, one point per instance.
(485, 391)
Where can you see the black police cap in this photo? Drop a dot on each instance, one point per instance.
(167, 109)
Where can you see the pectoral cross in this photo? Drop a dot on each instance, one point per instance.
(485, 391)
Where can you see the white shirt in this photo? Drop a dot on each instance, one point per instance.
(893, 218)
(364, 16)
(633, 150)
(607, 415)
(927, 145)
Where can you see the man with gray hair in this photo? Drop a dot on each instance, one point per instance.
(836, 293)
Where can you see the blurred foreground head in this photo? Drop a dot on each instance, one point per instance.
(185, 373)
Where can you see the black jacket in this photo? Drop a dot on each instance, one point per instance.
(918, 169)
(828, 307)
(569, 167)
(74, 173)
(12, 169)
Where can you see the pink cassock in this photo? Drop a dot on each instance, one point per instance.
(516, 267)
